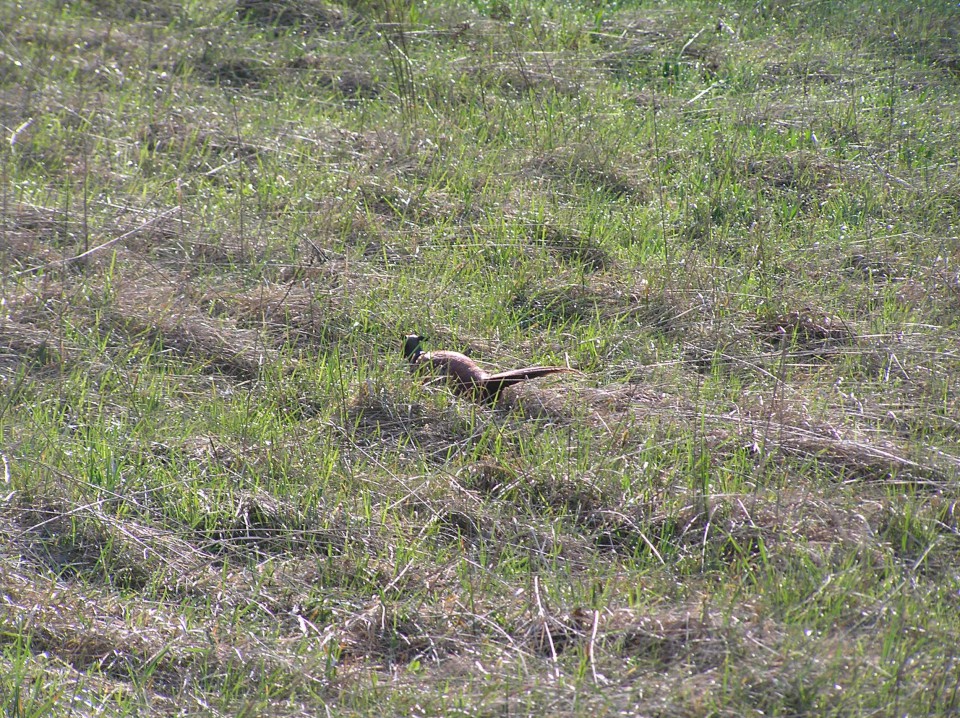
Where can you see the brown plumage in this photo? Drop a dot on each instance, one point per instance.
(463, 372)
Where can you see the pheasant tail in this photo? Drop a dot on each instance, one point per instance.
(495, 383)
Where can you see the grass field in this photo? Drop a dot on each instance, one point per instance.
(222, 492)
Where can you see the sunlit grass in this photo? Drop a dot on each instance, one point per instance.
(223, 493)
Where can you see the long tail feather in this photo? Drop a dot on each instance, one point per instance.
(495, 383)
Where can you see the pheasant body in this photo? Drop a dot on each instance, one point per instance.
(464, 374)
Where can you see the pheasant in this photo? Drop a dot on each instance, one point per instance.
(463, 372)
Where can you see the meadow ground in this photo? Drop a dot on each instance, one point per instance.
(223, 494)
